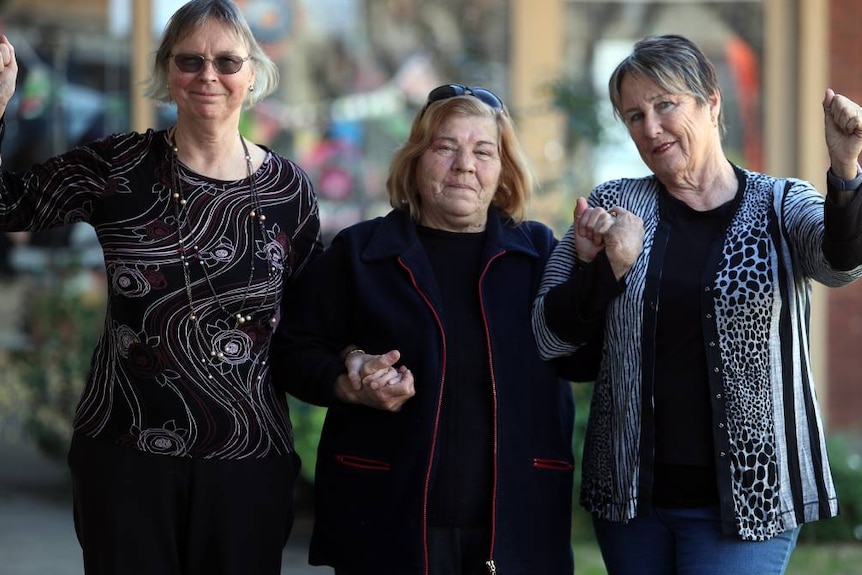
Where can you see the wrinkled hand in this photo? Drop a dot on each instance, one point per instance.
(374, 381)
(843, 122)
(624, 241)
(8, 72)
(617, 231)
(590, 225)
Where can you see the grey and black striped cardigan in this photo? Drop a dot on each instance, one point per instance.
(769, 442)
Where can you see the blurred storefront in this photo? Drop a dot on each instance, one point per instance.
(355, 71)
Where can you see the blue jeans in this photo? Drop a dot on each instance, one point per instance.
(688, 542)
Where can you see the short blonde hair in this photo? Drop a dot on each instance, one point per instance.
(516, 180)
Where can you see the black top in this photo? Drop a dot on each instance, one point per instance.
(460, 495)
(684, 469)
(175, 372)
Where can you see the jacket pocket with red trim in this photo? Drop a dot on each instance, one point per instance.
(552, 464)
(357, 462)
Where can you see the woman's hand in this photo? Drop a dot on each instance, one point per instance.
(624, 241)
(843, 122)
(8, 72)
(590, 225)
(374, 381)
(617, 231)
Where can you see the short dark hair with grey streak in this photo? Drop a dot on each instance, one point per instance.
(675, 64)
(185, 21)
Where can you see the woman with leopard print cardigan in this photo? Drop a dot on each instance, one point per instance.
(705, 450)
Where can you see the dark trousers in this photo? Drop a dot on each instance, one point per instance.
(451, 551)
(142, 514)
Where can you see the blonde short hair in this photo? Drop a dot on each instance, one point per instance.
(516, 181)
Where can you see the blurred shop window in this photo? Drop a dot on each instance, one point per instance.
(353, 74)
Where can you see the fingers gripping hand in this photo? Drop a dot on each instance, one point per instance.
(374, 381)
(396, 392)
(388, 397)
(590, 226)
(367, 369)
(379, 370)
(624, 241)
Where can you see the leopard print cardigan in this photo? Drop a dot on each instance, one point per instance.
(770, 449)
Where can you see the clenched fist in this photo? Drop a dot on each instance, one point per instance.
(8, 72)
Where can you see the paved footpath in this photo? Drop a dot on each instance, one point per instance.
(37, 536)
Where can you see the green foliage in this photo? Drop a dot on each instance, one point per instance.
(582, 528)
(63, 325)
(577, 100)
(846, 463)
(825, 559)
(307, 421)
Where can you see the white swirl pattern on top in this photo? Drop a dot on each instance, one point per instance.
(164, 380)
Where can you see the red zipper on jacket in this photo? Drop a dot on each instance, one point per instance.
(490, 563)
(427, 486)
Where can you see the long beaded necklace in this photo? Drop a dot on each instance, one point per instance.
(242, 315)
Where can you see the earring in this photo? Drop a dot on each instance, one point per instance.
(251, 88)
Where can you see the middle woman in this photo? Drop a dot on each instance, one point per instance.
(473, 473)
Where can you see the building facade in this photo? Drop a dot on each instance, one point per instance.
(354, 72)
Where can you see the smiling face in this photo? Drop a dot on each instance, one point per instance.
(676, 136)
(459, 173)
(206, 94)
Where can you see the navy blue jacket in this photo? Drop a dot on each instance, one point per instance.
(374, 287)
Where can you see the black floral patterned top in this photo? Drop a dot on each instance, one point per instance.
(193, 290)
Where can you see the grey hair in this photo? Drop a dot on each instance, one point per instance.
(675, 64)
(185, 21)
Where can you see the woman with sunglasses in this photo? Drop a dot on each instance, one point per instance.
(182, 457)
(447, 449)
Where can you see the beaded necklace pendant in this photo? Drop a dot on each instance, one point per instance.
(251, 307)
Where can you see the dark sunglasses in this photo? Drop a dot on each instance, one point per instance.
(453, 90)
(194, 63)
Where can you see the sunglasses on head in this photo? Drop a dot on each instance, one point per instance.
(194, 63)
(452, 90)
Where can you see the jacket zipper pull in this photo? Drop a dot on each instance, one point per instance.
(492, 567)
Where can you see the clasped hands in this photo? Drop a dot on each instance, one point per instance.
(617, 231)
(374, 381)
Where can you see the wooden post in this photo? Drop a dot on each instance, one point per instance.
(143, 111)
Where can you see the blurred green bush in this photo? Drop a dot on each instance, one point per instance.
(846, 462)
(61, 324)
(307, 423)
